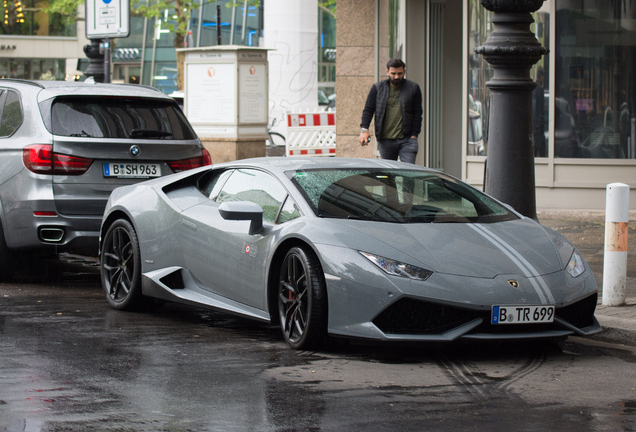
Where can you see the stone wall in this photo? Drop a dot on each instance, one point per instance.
(354, 73)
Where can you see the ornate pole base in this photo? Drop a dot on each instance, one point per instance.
(96, 67)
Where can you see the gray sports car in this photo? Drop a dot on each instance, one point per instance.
(355, 248)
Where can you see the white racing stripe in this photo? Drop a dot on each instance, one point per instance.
(526, 268)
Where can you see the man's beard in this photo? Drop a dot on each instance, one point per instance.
(397, 81)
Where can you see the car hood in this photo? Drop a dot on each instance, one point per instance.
(519, 247)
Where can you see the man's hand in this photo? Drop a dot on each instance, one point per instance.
(364, 137)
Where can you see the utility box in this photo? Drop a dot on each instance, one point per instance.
(226, 99)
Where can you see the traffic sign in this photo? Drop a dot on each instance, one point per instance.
(107, 18)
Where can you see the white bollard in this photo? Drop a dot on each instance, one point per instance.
(615, 260)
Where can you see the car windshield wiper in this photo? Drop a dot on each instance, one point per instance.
(371, 217)
(148, 133)
(81, 134)
(327, 216)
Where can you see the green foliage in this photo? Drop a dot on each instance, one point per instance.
(146, 8)
(156, 8)
(328, 6)
(237, 3)
(153, 9)
(66, 8)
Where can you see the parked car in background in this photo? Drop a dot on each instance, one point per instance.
(64, 147)
(357, 248)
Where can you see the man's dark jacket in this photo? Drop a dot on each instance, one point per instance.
(410, 99)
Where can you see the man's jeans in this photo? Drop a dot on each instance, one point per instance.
(405, 148)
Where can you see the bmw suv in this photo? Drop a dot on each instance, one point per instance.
(64, 147)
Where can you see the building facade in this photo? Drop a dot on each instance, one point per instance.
(585, 124)
(36, 45)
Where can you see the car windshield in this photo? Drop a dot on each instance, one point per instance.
(118, 117)
(399, 196)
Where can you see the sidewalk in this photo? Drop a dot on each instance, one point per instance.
(586, 230)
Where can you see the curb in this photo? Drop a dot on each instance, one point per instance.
(618, 323)
(615, 335)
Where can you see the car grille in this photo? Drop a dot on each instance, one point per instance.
(410, 316)
(581, 313)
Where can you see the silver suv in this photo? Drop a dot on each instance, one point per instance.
(65, 146)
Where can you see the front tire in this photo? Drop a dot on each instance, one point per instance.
(302, 299)
(120, 266)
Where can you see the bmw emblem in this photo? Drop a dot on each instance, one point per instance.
(134, 150)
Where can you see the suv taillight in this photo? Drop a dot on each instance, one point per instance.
(207, 159)
(40, 159)
(187, 164)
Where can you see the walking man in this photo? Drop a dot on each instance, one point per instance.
(397, 105)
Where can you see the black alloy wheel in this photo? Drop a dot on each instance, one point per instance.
(121, 266)
(302, 299)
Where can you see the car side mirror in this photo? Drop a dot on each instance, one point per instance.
(242, 211)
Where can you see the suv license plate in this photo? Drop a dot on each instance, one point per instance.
(522, 314)
(131, 170)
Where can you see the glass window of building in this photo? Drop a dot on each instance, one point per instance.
(37, 69)
(157, 55)
(595, 89)
(327, 54)
(392, 29)
(26, 18)
(239, 26)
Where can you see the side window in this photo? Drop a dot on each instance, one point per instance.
(288, 212)
(257, 187)
(212, 189)
(11, 115)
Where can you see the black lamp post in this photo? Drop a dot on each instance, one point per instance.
(511, 49)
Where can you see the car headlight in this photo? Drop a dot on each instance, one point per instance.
(575, 266)
(397, 268)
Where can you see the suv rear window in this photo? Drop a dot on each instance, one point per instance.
(117, 117)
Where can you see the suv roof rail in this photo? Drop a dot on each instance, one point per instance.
(22, 81)
(143, 86)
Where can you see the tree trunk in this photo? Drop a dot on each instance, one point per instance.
(179, 38)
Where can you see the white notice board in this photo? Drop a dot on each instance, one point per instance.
(253, 88)
(211, 93)
(107, 18)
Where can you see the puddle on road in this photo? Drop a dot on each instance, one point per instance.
(629, 407)
(64, 268)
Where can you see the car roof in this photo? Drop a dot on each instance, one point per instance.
(283, 164)
(58, 88)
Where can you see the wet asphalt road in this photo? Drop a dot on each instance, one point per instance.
(69, 362)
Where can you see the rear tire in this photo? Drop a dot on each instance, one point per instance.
(120, 266)
(302, 299)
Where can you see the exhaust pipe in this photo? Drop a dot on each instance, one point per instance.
(51, 235)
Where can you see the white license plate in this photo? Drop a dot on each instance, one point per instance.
(131, 170)
(522, 314)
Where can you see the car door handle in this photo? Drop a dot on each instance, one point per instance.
(189, 225)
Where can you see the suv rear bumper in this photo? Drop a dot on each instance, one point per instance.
(65, 232)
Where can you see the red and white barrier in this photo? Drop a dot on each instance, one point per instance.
(304, 120)
(311, 134)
